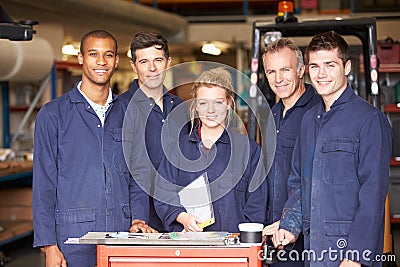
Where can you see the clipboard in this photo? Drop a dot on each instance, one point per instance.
(196, 199)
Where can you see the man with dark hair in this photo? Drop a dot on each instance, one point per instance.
(340, 172)
(100, 34)
(143, 40)
(284, 68)
(150, 60)
(81, 182)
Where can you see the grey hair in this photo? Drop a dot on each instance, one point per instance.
(281, 44)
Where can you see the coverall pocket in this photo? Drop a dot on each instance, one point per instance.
(74, 223)
(339, 161)
(288, 147)
(289, 142)
(337, 228)
(119, 157)
(336, 240)
(117, 134)
(240, 190)
(233, 193)
(231, 181)
(127, 219)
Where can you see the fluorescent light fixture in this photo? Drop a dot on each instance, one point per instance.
(210, 48)
(129, 53)
(272, 37)
(69, 49)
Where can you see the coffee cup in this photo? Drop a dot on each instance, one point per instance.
(250, 232)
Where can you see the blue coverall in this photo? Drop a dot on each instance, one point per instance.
(339, 181)
(288, 129)
(81, 182)
(236, 174)
(151, 121)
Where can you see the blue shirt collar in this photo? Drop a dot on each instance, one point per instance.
(194, 136)
(140, 96)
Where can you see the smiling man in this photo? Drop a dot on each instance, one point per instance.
(285, 70)
(150, 98)
(340, 171)
(80, 180)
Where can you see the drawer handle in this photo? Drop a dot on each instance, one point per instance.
(188, 260)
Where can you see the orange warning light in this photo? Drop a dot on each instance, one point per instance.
(284, 7)
(285, 12)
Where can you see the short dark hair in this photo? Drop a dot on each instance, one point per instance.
(148, 39)
(329, 41)
(98, 34)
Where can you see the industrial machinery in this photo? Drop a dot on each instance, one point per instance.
(15, 31)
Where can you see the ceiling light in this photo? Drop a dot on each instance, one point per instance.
(270, 37)
(210, 48)
(69, 49)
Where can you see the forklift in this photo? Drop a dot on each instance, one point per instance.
(287, 25)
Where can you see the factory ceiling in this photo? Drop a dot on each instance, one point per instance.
(122, 18)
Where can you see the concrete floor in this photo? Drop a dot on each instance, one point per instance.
(396, 243)
(22, 254)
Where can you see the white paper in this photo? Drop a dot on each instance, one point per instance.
(72, 240)
(196, 199)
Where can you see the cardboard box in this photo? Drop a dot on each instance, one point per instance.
(15, 214)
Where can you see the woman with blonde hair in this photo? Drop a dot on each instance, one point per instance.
(231, 161)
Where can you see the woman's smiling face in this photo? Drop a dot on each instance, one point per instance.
(212, 105)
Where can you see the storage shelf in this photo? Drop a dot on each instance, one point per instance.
(392, 108)
(395, 220)
(21, 108)
(65, 65)
(394, 163)
(385, 68)
(16, 170)
(389, 68)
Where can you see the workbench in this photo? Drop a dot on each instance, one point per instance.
(177, 249)
(177, 256)
(13, 170)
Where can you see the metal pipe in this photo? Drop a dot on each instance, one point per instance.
(30, 109)
(245, 7)
(6, 114)
(53, 81)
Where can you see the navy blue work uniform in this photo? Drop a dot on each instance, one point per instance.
(339, 181)
(153, 118)
(81, 182)
(288, 129)
(233, 166)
